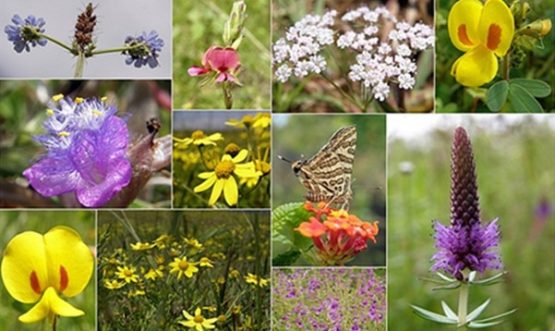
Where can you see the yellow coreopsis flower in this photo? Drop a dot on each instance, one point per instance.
(152, 274)
(113, 284)
(255, 280)
(181, 267)
(140, 246)
(482, 31)
(222, 178)
(197, 322)
(41, 268)
(206, 262)
(198, 138)
(127, 274)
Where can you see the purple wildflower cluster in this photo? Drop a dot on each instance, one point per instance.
(25, 32)
(86, 155)
(145, 49)
(465, 244)
(328, 300)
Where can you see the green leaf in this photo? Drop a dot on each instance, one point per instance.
(448, 311)
(287, 258)
(451, 286)
(431, 316)
(489, 319)
(477, 325)
(522, 101)
(446, 278)
(535, 87)
(491, 280)
(476, 312)
(496, 96)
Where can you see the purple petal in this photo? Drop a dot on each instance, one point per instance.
(96, 195)
(52, 176)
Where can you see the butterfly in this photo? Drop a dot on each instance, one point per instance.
(327, 175)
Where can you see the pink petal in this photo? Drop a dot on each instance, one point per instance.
(223, 59)
(197, 71)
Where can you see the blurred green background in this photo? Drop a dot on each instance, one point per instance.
(298, 135)
(515, 164)
(536, 64)
(15, 222)
(198, 25)
(22, 111)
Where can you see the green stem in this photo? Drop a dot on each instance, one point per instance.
(463, 305)
(54, 324)
(79, 66)
(57, 42)
(340, 90)
(506, 67)
(115, 50)
(228, 97)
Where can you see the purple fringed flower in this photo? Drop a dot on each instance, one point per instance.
(86, 152)
(145, 49)
(465, 243)
(25, 32)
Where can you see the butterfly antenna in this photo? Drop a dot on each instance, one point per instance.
(284, 159)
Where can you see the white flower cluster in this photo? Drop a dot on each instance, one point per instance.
(298, 52)
(380, 60)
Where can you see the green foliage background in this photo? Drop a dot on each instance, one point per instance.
(197, 25)
(515, 167)
(15, 222)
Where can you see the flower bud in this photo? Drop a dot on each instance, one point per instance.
(233, 29)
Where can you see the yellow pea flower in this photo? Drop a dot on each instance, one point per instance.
(41, 268)
(482, 31)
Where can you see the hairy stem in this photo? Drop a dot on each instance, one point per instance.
(463, 305)
(228, 97)
(57, 42)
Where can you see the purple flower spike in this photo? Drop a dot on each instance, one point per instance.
(465, 243)
(145, 49)
(86, 152)
(25, 32)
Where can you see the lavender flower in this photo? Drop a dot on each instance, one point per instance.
(465, 243)
(86, 152)
(144, 49)
(26, 32)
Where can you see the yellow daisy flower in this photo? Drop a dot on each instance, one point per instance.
(140, 246)
(113, 284)
(181, 267)
(255, 280)
(193, 243)
(127, 274)
(206, 262)
(246, 122)
(222, 178)
(152, 274)
(197, 322)
(198, 138)
(262, 120)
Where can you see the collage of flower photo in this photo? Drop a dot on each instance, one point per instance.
(287, 165)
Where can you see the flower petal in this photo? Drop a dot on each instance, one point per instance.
(50, 304)
(69, 274)
(207, 183)
(231, 193)
(241, 156)
(24, 270)
(496, 27)
(216, 191)
(197, 71)
(476, 67)
(462, 23)
(52, 176)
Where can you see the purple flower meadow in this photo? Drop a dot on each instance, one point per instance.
(465, 244)
(24, 32)
(86, 152)
(328, 299)
(145, 49)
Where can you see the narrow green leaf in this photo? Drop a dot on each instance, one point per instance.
(535, 87)
(496, 316)
(496, 96)
(451, 286)
(431, 316)
(495, 278)
(522, 101)
(476, 325)
(445, 278)
(448, 312)
(476, 312)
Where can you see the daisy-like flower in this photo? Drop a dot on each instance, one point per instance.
(86, 147)
(152, 274)
(140, 246)
(255, 280)
(181, 266)
(25, 33)
(223, 62)
(482, 31)
(143, 49)
(113, 284)
(198, 138)
(222, 179)
(127, 274)
(206, 262)
(197, 322)
(193, 243)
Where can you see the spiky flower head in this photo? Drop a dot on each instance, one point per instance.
(83, 36)
(143, 49)
(25, 33)
(465, 244)
(86, 155)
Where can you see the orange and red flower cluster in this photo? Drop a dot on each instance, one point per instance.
(337, 235)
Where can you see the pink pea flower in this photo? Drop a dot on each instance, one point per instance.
(223, 61)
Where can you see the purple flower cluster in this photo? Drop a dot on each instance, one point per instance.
(25, 32)
(465, 244)
(328, 299)
(144, 49)
(86, 147)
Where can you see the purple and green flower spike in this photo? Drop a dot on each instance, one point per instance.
(466, 246)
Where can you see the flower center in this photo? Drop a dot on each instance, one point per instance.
(197, 135)
(128, 273)
(183, 265)
(494, 36)
(463, 36)
(247, 120)
(224, 169)
(198, 319)
(232, 149)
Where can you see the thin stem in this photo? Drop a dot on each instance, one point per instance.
(340, 90)
(80, 65)
(506, 67)
(115, 50)
(463, 305)
(57, 42)
(228, 97)
(54, 323)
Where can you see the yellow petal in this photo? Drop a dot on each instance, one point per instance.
(241, 156)
(24, 270)
(216, 191)
(198, 311)
(231, 193)
(462, 23)
(70, 261)
(215, 136)
(206, 184)
(476, 67)
(497, 27)
(50, 304)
